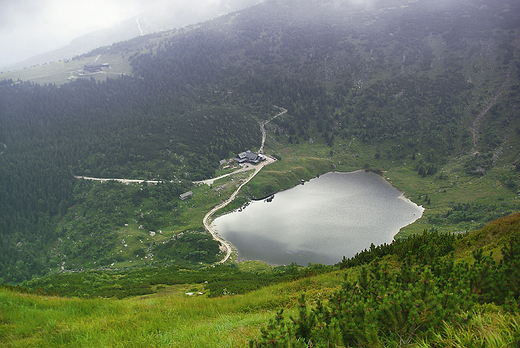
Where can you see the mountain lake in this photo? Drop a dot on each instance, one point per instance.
(334, 215)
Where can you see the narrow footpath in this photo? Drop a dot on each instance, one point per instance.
(262, 128)
(212, 180)
(124, 181)
(260, 151)
(225, 246)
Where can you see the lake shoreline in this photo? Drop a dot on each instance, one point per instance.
(375, 171)
(349, 209)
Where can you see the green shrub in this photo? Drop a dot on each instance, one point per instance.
(400, 306)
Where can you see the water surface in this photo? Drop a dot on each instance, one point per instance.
(335, 215)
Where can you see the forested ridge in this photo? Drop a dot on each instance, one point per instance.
(55, 133)
(407, 78)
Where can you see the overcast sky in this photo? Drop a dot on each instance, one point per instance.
(30, 27)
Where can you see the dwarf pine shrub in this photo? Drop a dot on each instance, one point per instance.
(386, 307)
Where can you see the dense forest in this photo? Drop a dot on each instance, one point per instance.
(405, 77)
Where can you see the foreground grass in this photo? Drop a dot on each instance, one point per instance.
(169, 318)
(172, 318)
(176, 320)
(489, 327)
(154, 322)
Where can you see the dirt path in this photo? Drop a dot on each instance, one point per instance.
(225, 246)
(207, 181)
(262, 128)
(212, 180)
(261, 150)
(498, 94)
(124, 181)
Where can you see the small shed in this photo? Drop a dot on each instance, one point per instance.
(186, 195)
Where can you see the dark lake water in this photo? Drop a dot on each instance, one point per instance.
(335, 215)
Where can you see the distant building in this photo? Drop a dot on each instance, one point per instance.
(249, 157)
(222, 162)
(186, 195)
(95, 67)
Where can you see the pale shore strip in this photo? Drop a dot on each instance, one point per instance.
(225, 246)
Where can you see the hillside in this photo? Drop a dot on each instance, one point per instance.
(159, 17)
(423, 300)
(426, 94)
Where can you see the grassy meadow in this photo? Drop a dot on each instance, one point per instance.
(168, 318)
(63, 71)
(184, 315)
(171, 318)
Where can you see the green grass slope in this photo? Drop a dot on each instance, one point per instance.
(394, 297)
(425, 95)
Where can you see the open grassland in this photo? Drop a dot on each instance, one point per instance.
(437, 196)
(66, 70)
(171, 318)
(184, 315)
(168, 318)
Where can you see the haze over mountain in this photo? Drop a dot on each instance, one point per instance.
(40, 32)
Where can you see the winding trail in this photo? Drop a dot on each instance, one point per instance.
(124, 181)
(212, 180)
(262, 127)
(261, 150)
(225, 246)
(476, 123)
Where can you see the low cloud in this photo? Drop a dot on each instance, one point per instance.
(30, 27)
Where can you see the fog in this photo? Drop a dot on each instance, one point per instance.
(32, 27)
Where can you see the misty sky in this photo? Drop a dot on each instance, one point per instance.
(31, 27)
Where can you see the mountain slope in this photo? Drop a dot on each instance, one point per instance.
(163, 17)
(177, 316)
(429, 93)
